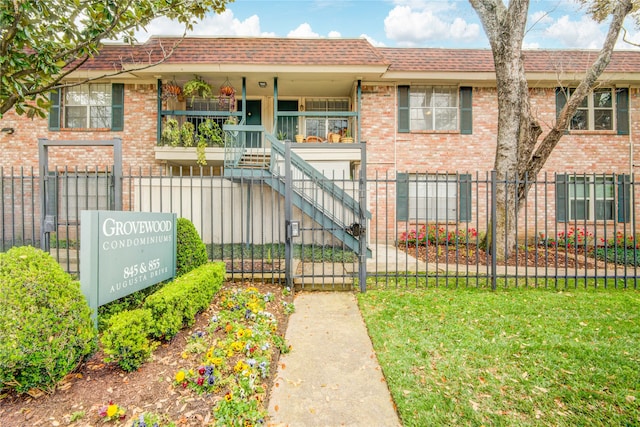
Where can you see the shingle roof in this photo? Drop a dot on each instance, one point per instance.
(481, 60)
(230, 50)
(349, 52)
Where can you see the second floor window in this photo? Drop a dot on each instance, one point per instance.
(88, 106)
(435, 108)
(603, 109)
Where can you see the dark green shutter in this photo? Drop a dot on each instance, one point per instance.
(402, 197)
(562, 198)
(622, 110)
(561, 100)
(466, 116)
(624, 198)
(117, 106)
(403, 109)
(464, 186)
(54, 110)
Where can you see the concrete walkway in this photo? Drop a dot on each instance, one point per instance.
(331, 377)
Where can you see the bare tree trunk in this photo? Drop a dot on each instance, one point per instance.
(518, 132)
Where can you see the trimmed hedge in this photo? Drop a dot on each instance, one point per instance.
(126, 339)
(191, 252)
(45, 322)
(176, 304)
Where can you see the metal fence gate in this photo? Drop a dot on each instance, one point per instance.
(326, 227)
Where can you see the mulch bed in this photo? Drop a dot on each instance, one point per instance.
(149, 389)
(531, 256)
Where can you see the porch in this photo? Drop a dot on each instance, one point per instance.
(317, 117)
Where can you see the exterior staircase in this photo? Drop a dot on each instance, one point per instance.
(314, 194)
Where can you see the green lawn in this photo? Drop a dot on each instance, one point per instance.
(515, 357)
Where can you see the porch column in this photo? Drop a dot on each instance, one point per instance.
(275, 106)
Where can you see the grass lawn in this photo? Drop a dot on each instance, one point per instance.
(514, 357)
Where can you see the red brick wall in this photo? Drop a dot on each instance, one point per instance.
(389, 152)
(138, 137)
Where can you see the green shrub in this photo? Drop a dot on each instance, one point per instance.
(176, 304)
(191, 252)
(45, 322)
(126, 339)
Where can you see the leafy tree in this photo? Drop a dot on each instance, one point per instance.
(522, 149)
(42, 42)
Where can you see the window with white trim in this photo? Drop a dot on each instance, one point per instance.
(595, 112)
(322, 126)
(591, 198)
(434, 107)
(88, 106)
(433, 197)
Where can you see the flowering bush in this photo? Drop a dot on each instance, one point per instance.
(570, 239)
(621, 241)
(236, 361)
(437, 235)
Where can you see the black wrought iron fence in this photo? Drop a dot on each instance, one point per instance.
(426, 229)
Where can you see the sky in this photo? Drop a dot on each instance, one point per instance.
(552, 24)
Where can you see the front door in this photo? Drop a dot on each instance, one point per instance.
(254, 117)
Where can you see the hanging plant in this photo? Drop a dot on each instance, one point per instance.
(197, 87)
(171, 90)
(227, 92)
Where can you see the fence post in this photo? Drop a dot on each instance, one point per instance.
(494, 229)
(362, 192)
(288, 184)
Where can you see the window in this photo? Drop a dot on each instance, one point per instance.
(88, 106)
(434, 108)
(592, 197)
(322, 126)
(441, 197)
(602, 109)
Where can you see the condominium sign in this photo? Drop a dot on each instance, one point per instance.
(124, 252)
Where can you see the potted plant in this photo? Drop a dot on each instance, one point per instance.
(171, 90)
(227, 92)
(187, 134)
(347, 138)
(282, 135)
(197, 87)
(170, 133)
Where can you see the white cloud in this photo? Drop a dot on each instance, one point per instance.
(224, 24)
(335, 34)
(409, 26)
(372, 40)
(303, 31)
(585, 33)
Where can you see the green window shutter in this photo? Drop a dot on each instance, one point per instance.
(54, 110)
(466, 116)
(561, 100)
(464, 187)
(403, 109)
(117, 106)
(562, 198)
(402, 197)
(622, 111)
(624, 198)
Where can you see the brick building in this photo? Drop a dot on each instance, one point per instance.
(421, 111)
